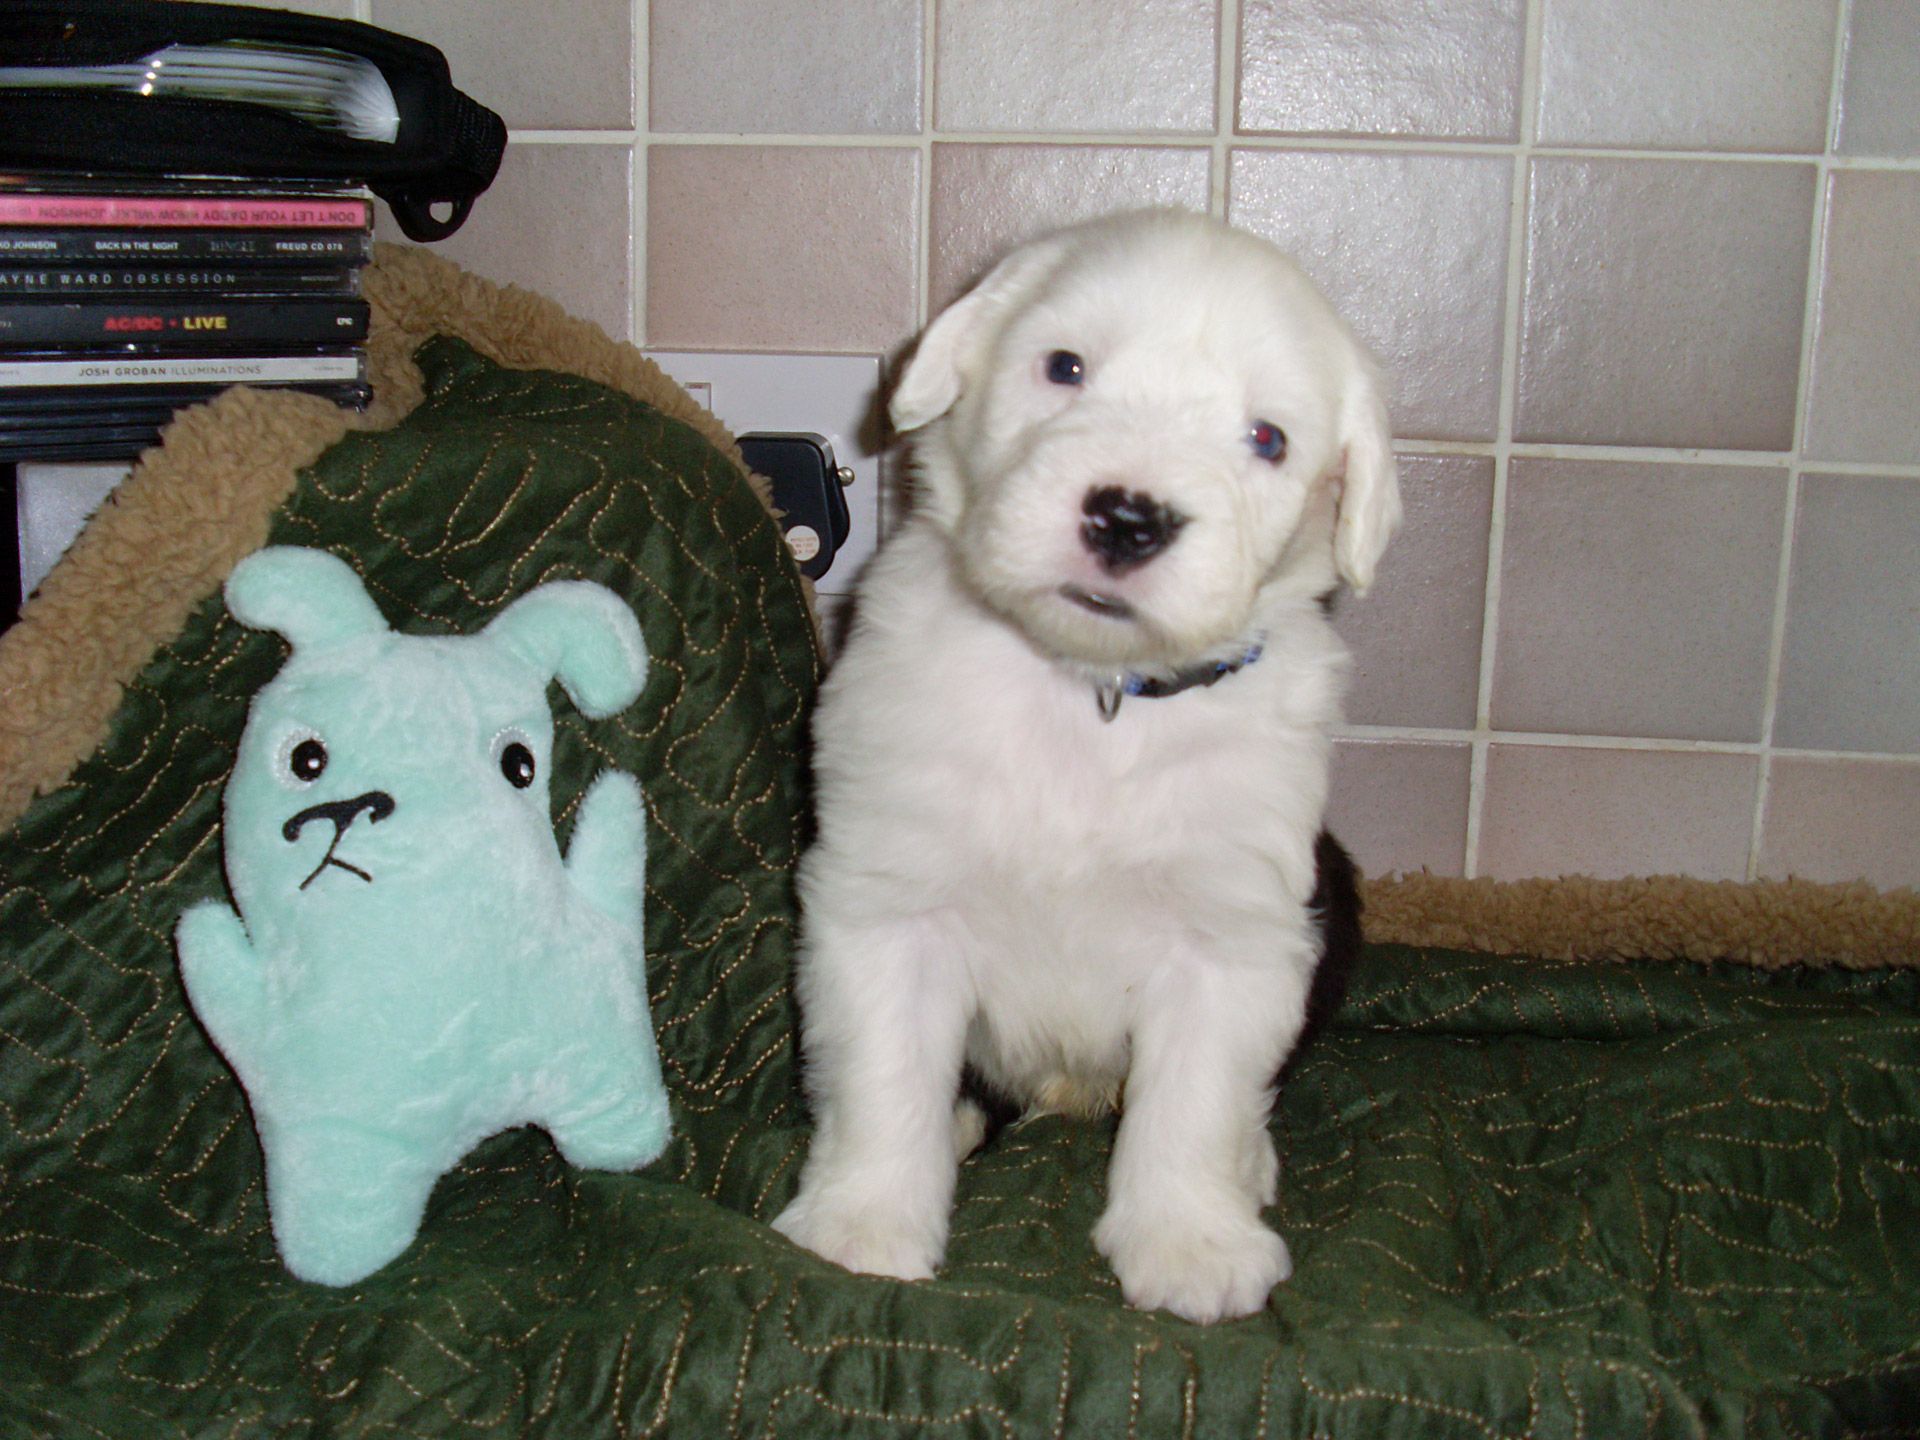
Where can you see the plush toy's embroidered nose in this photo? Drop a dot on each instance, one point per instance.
(1125, 528)
(376, 803)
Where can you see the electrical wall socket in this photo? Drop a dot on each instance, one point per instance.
(54, 502)
(830, 395)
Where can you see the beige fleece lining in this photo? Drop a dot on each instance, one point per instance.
(203, 499)
(1768, 923)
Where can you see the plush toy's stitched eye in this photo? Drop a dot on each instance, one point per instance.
(1066, 368)
(1268, 441)
(516, 763)
(307, 760)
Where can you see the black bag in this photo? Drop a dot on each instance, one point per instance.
(446, 152)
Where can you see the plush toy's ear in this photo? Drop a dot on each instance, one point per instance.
(581, 634)
(309, 596)
(948, 348)
(1370, 493)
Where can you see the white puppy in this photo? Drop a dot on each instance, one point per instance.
(1072, 762)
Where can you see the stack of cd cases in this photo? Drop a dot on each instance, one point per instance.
(123, 300)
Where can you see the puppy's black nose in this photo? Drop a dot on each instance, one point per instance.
(1126, 528)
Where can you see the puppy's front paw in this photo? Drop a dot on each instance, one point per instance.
(872, 1237)
(1204, 1267)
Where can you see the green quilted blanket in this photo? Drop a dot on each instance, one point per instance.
(1524, 1198)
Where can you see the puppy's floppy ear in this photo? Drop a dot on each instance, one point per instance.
(1370, 493)
(950, 347)
(931, 382)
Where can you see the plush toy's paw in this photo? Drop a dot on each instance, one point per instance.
(623, 1136)
(222, 975)
(344, 1200)
(1201, 1266)
(874, 1237)
(607, 856)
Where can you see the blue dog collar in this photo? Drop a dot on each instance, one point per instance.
(1108, 694)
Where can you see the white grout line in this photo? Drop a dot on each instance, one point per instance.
(1776, 646)
(1202, 140)
(1440, 735)
(1548, 740)
(1226, 90)
(908, 139)
(1502, 449)
(574, 137)
(1631, 454)
(1654, 455)
(1862, 757)
(923, 239)
(1803, 400)
(637, 189)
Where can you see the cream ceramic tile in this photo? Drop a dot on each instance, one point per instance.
(1560, 810)
(808, 248)
(1415, 636)
(987, 198)
(1448, 69)
(1839, 820)
(802, 67)
(1865, 390)
(1637, 600)
(1074, 67)
(1412, 249)
(1850, 664)
(556, 220)
(540, 67)
(1652, 75)
(1880, 99)
(1664, 302)
(1401, 805)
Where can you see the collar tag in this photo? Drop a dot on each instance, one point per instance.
(1107, 694)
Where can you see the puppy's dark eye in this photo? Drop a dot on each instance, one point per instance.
(1066, 368)
(516, 763)
(1268, 441)
(307, 760)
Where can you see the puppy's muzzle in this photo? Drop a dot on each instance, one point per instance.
(1125, 528)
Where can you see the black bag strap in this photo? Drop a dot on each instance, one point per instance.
(447, 150)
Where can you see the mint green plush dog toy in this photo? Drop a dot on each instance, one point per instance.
(413, 966)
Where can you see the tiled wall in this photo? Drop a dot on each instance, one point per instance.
(1644, 275)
